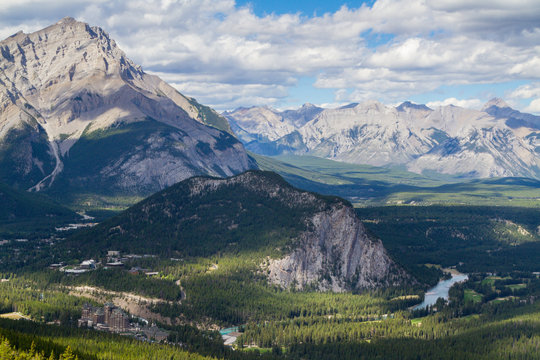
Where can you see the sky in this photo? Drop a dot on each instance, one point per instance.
(282, 54)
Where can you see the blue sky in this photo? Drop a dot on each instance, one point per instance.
(228, 53)
(306, 7)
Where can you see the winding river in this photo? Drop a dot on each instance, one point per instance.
(440, 290)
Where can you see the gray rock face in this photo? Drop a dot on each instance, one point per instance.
(70, 90)
(336, 254)
(497, 141)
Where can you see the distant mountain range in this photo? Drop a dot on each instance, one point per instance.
(497, 141)
(77, 115)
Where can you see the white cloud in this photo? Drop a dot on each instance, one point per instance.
(528, 68)
(227, 56)
(464, 103)
(232, 95)
(530, 92)
(526, 92)
(534, 107)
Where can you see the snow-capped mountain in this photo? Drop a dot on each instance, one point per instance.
(497, 141)
(76, 112)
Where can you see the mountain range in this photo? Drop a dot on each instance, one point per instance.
(77, 115)
(497, 141)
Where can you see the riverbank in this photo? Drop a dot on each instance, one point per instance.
(452, 271)
(441, 289)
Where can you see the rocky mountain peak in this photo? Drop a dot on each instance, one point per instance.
(371, 106)
(349, 106)
(66, 20)
(403, 107)
(514, 119)
(69, 80)
(410, 135)
(67, 50)
(495, 102)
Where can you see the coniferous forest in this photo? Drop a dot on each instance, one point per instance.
(394, 215)
(494, 314)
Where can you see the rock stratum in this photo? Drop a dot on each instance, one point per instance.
(75, 112)
(497, 141)
(308, 240)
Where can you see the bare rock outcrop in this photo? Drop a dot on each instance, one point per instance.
(333, 253)
(336, 254)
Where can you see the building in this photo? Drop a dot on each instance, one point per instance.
(115, 264)
(98, 317)
(75, 271)
(118, 321)
(88, 264)
(153, 333)
(108, 318)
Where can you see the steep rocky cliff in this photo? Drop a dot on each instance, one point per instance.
(75, 112)
(336, 254)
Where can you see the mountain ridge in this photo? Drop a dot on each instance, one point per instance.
(70, 82)
(496, 141)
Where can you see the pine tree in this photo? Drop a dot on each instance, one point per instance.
(6, 352)
(68, 355)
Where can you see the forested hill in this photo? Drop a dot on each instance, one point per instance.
(313, 239)
(203, 215)
(21, 206)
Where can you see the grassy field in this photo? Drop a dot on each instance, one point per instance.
(490, 280)
(14, 316)
(473, 296)
(366, 185)
(517, 286)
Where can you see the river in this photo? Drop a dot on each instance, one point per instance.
(440, 290)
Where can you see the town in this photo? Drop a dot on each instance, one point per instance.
(113, 319)
(114, 259)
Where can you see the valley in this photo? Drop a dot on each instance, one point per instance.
(364, 231)
(316, 323)
(365, 185)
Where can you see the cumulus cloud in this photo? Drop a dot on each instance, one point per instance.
(529, 93)
(526, 91)
(465, 103)
(226, 55)
(233, 95)
(534, 107)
